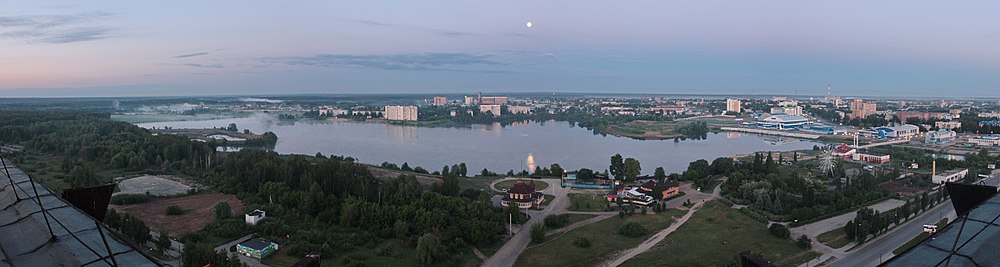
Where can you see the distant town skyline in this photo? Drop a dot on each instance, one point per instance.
(861, 48)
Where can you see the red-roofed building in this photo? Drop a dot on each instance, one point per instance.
(523, 195)
(844, 151)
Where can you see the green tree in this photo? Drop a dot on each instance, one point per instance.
(632, 229)
(659, 173)
(617, 167)
(463, 171)
(632, 169)
(429, 249)
(163, 243)
(556, 170)
(222, 210)
(779, 230)
(538, 233)
(232, 128)
(585, 174)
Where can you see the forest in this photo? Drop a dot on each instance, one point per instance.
(334, 206)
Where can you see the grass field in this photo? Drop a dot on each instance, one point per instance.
(604, 238)
(476, 183)
(539, 185)
(714, 236)
(919, 238)
(587, 202)
(835, 238)
(394, 255)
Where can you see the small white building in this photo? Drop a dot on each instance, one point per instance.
(254, 217)
(948, 125)
(950, 176)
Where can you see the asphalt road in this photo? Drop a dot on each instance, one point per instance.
(508, 254)
(880, 249)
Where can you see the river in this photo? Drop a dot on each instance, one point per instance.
(497, 148)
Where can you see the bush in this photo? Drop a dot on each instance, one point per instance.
(779, 230)
(175, 210)
(632, 229)
(222, 210)
(804, 242)
(127, 199)
(582, 242)
(556, 221)
(537, 233)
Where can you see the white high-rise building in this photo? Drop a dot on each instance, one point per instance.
(733, 105)
(401, 113)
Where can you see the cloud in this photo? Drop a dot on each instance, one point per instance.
(56, 29)
(192, 55)
(214, 66)
(411, 61)
(441, 32)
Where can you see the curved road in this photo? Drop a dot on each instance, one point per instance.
(508, 254)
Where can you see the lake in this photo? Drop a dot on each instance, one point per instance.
(515, 147)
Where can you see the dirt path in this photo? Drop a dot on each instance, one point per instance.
(656, 238)
(580, 224)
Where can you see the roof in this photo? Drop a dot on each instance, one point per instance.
(976, 244)
(26, 240)
(844, 148)
(785, 118)
(671, 184)
(521, 188)
(649, 184)
(256, 213)
(256, 244)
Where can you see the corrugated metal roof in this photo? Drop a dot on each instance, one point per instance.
(25, 239)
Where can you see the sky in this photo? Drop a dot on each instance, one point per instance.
(166, 48)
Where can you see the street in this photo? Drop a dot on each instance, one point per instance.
(880, 249)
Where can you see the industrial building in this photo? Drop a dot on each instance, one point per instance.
(950, 176)
(256, 248)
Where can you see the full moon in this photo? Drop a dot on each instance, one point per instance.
(529, 24)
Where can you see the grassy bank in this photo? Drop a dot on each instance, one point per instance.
(714, 236)
(603, 236)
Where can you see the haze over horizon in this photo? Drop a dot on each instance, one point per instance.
(128, 48)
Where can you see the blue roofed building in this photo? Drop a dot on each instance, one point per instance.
(782, 122)
(886, 132)
(940, 137)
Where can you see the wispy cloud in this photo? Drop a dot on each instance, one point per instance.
(56, 29)
(192, 55)
(412, 61)
(213, 66)
(441, 32)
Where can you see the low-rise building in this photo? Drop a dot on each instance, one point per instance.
(255, 217)
(493, 109)
(519, 109)
(523, 195)
(844, 151)
(940, 137)
(948, 125)
(902, 131)
(950, 176)
(787, 110)
(493, 100)
(256, 248)
(782, 122)
(987, 141)
(332, 112)
(871, 157)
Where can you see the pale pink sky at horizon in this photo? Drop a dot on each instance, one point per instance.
(924, 48)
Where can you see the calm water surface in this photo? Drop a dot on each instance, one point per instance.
(497, 148)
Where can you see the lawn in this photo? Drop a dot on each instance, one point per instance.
(587, 202)
(714, 236)
(919, 238)
(835, 238)
(392, 254)
(539, 185)
(481, 183)
(604, 238)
